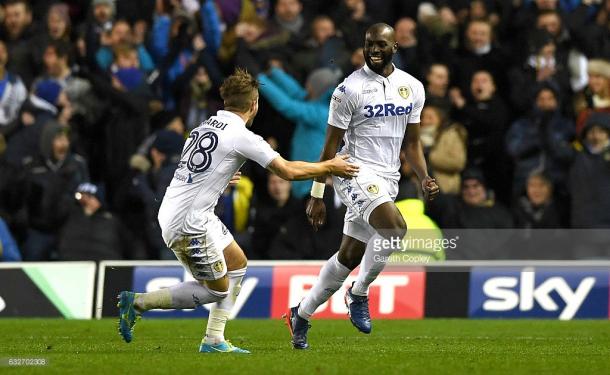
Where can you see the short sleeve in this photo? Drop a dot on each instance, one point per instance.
(342, 106)
(419, 98)
(254, 147)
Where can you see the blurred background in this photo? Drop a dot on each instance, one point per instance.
(97, 97)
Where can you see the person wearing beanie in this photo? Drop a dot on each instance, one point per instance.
(589, 178)
(306, 107)
(541, 140)
(596, 96)
(91, 232)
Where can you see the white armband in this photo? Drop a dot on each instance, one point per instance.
(317, 189)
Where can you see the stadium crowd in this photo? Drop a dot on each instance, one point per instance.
(97, 97)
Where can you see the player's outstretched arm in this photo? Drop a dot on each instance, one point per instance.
(301, 170)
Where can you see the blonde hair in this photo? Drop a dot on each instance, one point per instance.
(238, 90)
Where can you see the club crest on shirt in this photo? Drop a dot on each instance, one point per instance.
(404, 92)
(218, 266)
(373, 189)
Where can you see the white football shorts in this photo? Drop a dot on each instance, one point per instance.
(361, 195)
(203, 254)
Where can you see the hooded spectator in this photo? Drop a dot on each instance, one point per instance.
(589, 178)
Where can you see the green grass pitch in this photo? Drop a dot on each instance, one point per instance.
(394, 347)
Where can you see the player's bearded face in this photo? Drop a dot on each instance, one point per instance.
(378, 53)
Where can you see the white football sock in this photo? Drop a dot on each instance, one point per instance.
(186, 295)
(220, 311)
(332, 275)
(374, 260)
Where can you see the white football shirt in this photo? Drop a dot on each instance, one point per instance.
(212, 154)
(375, 111)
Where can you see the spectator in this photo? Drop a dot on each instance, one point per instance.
(596, 96)
(90, 35)
(478, 53)
(537, 209)
(353, 20)
(323, 49)
(486, 118)
(12, 95)
(18, 31)
(437, 86)
(592, 33)
(543, 64)
(120, 35)
(445, 146)
(589, 178)
(50, 182)
(412, 55)
(47, 102)
(57, 28)
(91, 232)
(148, 187)
(9, 252)
(288, 16)
(306, 107)
(541, 141)
(269, 217)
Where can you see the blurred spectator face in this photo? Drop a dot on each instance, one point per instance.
(539, 190)
(430, 118)
(121, 33)
(88, 202)
(102, 12)
(288, 10)
(61, 145)
(176, 125)
(279, 189)
(128, 59)
(16, 18)
(438, 77)
(405, 32)
(478, 36)
(550, 22)
(548, 52)
(56, 25)
(473, 192)
(322, 29)
(482, 86)
(546, 4)
(597, 139)
(546, 101)
(3, 54)
(249, 31)
(478, 10)
(599, 84)
(52, 62)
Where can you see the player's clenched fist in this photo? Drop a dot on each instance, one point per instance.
(339, 166)
(316, 212)
(430, 188)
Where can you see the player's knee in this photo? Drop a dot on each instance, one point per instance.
(349, 258)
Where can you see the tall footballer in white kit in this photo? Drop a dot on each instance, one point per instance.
(376, 111)
(212, 156)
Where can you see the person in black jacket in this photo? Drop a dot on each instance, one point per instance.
(50, 182)
(91, 232)
(537, 209)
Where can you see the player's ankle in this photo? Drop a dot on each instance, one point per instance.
(213, 340)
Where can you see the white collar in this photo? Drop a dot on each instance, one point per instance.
(232, 115)
(376, 76)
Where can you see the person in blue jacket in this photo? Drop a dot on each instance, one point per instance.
(9, 252)
(306, 107)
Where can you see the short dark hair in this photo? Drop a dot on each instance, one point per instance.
(25, 3)
(62, 48)
(238, 90)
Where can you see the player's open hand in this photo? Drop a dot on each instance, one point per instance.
(316, 212)
(339, 166)
(430, 188)
(235, 179)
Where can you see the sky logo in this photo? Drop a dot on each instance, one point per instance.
(559, 292)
